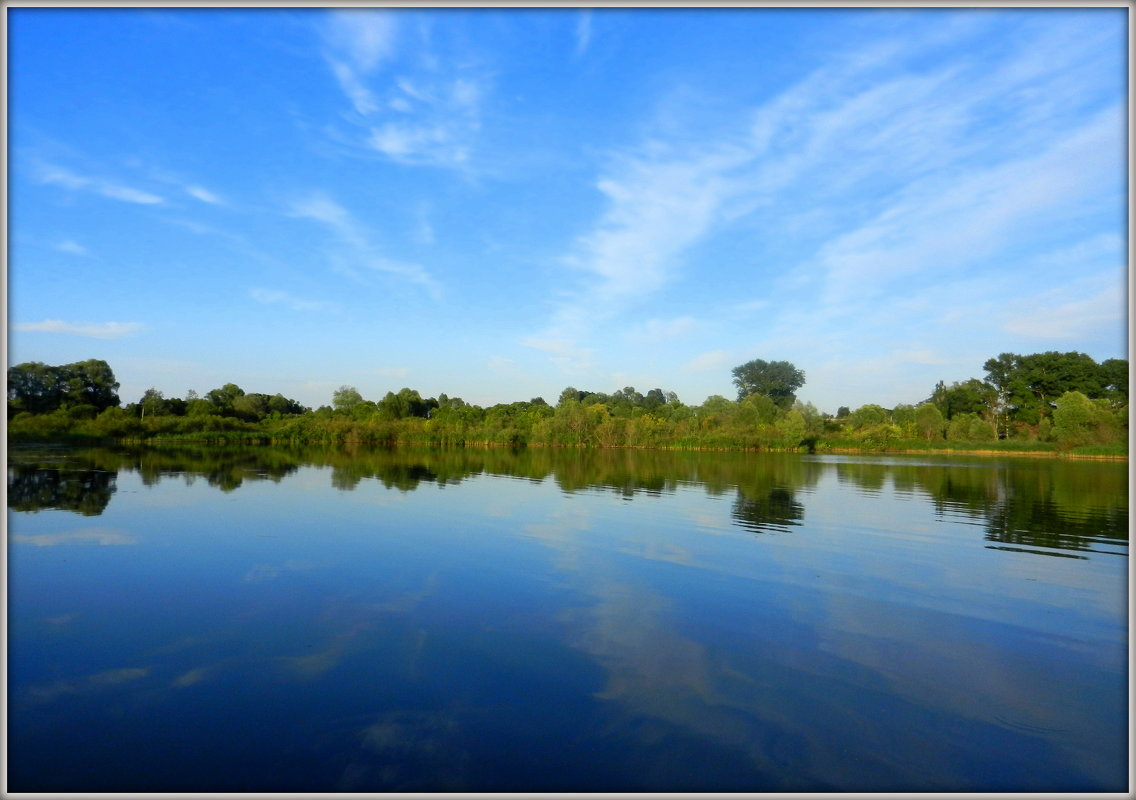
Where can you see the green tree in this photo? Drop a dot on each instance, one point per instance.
(90, 382)
(1028, 385)
(407, 403)
(970, 427)
(929, 421)
(1078, 420)
(279, 404)
(415, 404)
(968, 397)
(867, 416)
(758, 409)
(903, 417)
(1114, 380)
(345, 397)
(200, 407)
(152, 404)
(33, 387)
(814, 420)
(654, 399)
(571, 393)
(791, 429)
(251, 407)
(39, 388)
(223, 397)
(777, 380)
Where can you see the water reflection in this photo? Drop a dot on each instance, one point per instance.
(1056, 506)
(85, 491)
(774, 511)
(541, 620)
(1033, 506)
(82, 480)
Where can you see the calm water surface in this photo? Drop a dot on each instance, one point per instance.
(193, 619)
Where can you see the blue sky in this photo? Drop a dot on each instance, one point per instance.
(497, 204)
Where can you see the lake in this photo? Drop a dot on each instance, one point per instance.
(194, 619)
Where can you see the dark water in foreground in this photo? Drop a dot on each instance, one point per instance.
(272, 620)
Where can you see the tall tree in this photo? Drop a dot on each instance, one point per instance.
(223, 398)
(251, 407)
(969, 397)
(345, 397)
(39, 388)
(34, 387)
(777, 380)
(152, 404)
(1114, 380)
(929, 421)
(90, 383)
(1029, 385)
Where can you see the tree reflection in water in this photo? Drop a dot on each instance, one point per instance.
(1024, 503)
(621, 622)
(84, 491)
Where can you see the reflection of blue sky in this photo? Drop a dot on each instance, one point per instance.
(831, 650)
(916, 601)
(267, 572)
(84, 685)
(921, 558)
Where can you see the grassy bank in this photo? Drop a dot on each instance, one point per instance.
(353, 434)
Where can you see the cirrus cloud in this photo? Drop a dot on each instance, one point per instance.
(52, 174)
(272, 296)
(100, 330)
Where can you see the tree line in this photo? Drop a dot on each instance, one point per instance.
(1039, 401)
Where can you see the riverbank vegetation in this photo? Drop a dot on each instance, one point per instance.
(1042, 403)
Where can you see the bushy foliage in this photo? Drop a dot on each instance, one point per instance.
(960, 414)
(1079, 421)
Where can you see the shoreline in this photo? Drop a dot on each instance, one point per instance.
(262, 441)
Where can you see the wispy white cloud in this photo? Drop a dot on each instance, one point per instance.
(412, 273)
(352, 85)
(879, 176)
(1053, 317)
(414, 142)
(193, 226)
(53, 174)
(391, 372)
(364, 38)
(72, 247)
(565, 353)
(583, 33)
(990, 206)
(203, 194)
(275, 297)
(660, 203)
(356, 42)
(128, 194)
(925, 356)
(439, 121)
(751, 305)
(436, 109)
(178, 181)
(104, 330)
(704, 362)
(664, 330)
(424, 231)
(321, 208)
